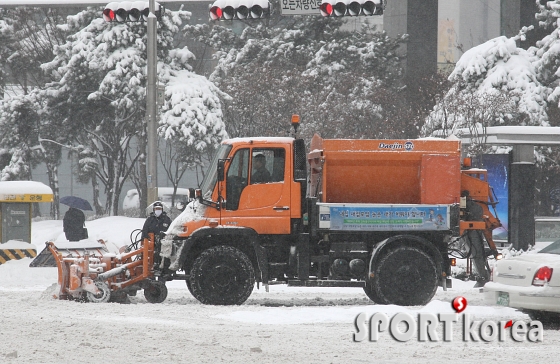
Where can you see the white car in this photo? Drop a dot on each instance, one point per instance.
(183, 195)
(529, 282)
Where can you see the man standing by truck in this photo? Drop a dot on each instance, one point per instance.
(157, 223)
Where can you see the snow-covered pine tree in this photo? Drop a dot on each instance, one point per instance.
(336, 80)
(99, 93)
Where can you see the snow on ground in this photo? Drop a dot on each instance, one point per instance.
(285, 325)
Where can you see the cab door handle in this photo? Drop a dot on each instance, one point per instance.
(281, 208)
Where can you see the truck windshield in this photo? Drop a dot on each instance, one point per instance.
(209, 180)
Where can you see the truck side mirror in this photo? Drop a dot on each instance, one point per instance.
(198, 194)
(221, 169)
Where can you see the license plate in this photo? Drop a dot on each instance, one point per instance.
(503, 299)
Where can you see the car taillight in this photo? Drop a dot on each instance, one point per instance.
(542, 276)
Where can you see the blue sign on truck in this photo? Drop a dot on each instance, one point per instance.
(389, 217)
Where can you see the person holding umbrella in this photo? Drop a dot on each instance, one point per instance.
(74, 220)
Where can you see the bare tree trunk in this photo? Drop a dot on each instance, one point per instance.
(52, 172)
(110, 184)
(97, 206)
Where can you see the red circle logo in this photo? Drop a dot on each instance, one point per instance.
(459, 304)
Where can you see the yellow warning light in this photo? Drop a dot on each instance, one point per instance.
(453, 262)
(295, 119)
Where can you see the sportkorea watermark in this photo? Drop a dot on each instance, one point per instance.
(404, 327)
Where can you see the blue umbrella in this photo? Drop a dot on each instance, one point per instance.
(76, 202)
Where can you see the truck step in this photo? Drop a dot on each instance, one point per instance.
(326, 283)
(183, 277)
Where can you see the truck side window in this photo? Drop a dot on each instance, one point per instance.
(278, 165)
(268, 165)
(236, 179)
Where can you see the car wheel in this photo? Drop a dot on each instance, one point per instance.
(222, 275)
(551, 318)
(405, 276)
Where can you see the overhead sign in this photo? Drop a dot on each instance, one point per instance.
(300, 7)
(25, 191)
(26, 197)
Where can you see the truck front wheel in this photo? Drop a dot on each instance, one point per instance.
(405, 276)
(222, 275)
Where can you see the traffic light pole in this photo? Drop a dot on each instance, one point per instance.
(151, 105)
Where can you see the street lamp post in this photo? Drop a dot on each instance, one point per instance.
(151, 105)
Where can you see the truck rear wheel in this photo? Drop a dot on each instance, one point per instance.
(405, 276)
(371, 292)
(222, 275)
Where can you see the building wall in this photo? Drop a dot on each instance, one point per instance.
(465, 24)
(418, 19)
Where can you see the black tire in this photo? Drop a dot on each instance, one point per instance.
(405, 276)
(155, 292)
(103, 296)
(550, 318)
(222, 275)
(371, 292)
(189, 286)
(478, 255)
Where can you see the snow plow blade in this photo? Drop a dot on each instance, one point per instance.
(46, 259)
(88, 272)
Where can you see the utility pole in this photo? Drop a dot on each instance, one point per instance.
(151, 105)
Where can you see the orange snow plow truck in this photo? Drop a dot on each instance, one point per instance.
(377, 214)
(384, 215)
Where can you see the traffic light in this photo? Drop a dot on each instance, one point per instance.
(239, 9)
(351, 7)
(130, 11)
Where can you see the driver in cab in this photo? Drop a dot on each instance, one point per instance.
(260, 173)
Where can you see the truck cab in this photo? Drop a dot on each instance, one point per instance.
(237, 198)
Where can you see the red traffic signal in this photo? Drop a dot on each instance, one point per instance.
(239, 9)
(351, 7)
(130, 11)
